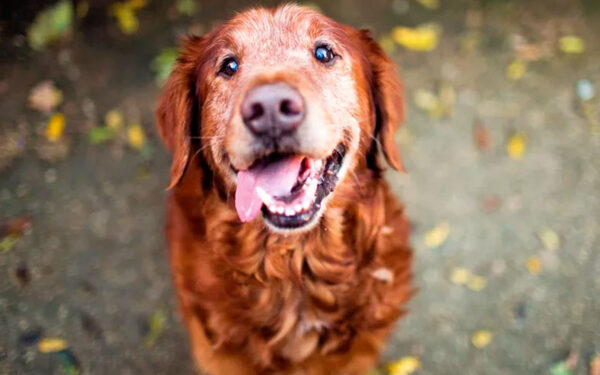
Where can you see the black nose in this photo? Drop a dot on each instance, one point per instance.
(272, 110)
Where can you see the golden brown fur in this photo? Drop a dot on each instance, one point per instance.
(316, 302)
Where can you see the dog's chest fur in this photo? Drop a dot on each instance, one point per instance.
(280, 299)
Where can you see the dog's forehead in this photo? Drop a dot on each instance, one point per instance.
(278, 34)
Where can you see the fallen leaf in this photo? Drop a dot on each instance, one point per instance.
(15, 226)
(481, 135)
(7, 243)
(55, 127)
(421, 38)
(156, 325)
(126, 17)
(429, 4)
(163, 64)
(426, 100)
(534, 265)
(437, 105)
(566, 367)
(481, 339)
(550, 239)
(383, 274)
(187, 7)
(51, 24)
(491, 203)
(476, 283)
(516, 70)
(404, 366)
(387, 44)
(51, 345)
(113, 120)
(45, 96)
(437, 235)
(69, 363)
(460, 276)
(516, 146)
(560, 369)
(136, 137)
(571, 44)
(100, 134)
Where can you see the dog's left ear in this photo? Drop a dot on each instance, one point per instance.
(177, 107)
(387, 92)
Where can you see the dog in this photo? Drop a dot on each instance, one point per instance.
(289, 252)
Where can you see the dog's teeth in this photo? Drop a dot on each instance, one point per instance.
(298, 207)
(306, 204)
(264, 196)
(272, 208)
(280, 210)
(289, 212)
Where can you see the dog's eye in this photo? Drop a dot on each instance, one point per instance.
(229, 67)
(324, 54)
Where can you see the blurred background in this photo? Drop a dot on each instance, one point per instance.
(501, 145)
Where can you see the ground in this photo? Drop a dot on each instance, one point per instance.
(91, 268)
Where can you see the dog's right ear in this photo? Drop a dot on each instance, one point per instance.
(177, 106)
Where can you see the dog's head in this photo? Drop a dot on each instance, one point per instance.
(281, 105)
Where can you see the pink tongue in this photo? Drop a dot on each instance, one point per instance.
(276, 178)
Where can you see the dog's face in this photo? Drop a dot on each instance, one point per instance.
(281, 104)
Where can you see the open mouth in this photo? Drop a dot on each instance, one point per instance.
(288, 189)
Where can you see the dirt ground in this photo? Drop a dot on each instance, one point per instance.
(507, 249)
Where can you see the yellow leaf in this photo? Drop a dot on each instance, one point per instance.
(476, 283)
(157, 323)
(481, 339)
(571, 44)
(430, 4)
(516, 146)
(421, 38)
(516, 70)
(550, 239)
(387, 44)
(56, 126)
(437, 236)
(534, 265)
(426, 100)
(460, 276)
(136, 136)
(126, 17)
(51, 345)
(113, 119)
(404, 366)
